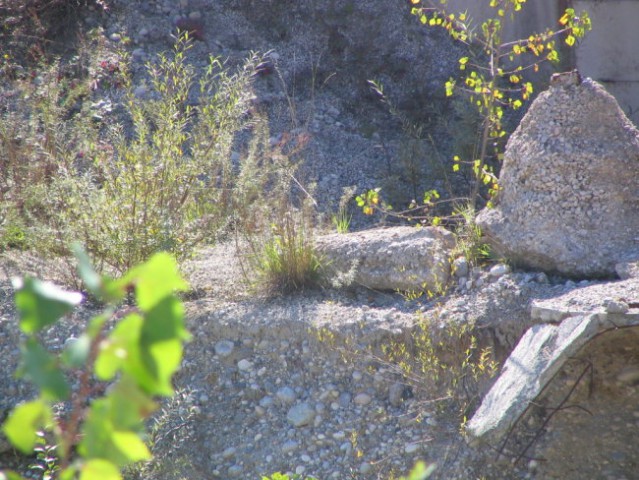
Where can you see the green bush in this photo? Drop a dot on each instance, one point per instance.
(167, 183)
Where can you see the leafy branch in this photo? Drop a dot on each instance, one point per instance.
(137, 358)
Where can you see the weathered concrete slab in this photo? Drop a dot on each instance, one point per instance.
(396, 258)
(594, 298)
(539, 355)
(568, 323)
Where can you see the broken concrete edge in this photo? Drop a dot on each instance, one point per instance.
(539, 355)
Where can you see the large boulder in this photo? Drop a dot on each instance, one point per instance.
(396, 258)
(570, 184)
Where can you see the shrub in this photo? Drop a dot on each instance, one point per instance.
(449, 357)
(167, 183)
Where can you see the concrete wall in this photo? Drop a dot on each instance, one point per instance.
(610, 52)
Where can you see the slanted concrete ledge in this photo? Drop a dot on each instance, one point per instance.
(542, 351)
(539, 355)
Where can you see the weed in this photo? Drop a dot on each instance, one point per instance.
(47, 462)
(341, 219)
(449, 357)
(171, 428)
(287, 261)
(470, 242)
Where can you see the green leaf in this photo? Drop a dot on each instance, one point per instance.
(76, 351)
(91, 279)
(161, 344)
(24, 422)
(103, 439)
(154, 280)
(129, 405)
(43, 370)
(98, 468)
(420, 472)
(118, 347)
(41, 303)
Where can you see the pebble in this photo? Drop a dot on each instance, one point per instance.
(244, 365)
(286, 395)
(138, 53)
(235, 470)
(396, 394)
(616, 306)
(499, 270)
(362, 399)
(411, 448)
(365, 468)
(460, 267)
(289, 446)
(229, 452)
(344, 399)
(266, 401)
(224, 348)
(300, 415)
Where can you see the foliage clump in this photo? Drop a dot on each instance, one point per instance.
(165, 178)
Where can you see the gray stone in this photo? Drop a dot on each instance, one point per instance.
(499, 270)
(460, 267)
(362, 399)
(396, 258)
(344, 399)
(396, 394)
(616, 306)
(539, 355)
(224, 348)
(244, 365)
(286, 395)
(588, 299)
(569, 183)
(289, 446)
(235, 470)
(365, 468)
(300, 415)
(229, 452)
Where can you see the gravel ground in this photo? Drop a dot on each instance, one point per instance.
(258, 390)
(276, 384)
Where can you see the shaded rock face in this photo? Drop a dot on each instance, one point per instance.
(570, 185)
(397, 258)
